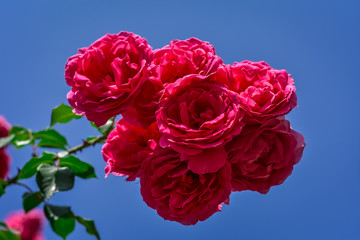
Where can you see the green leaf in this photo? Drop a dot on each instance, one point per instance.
(31, 166)
(63, 114)
(51, 179)
(50, 138)
(61, 219)
(89, 139)
(89, 225)
(3, 184)
(32, 200)
(4, 141)
(22, 137)
(2, 191)
(8, 235)
(106, 128)
(2, 224)
(80, 168)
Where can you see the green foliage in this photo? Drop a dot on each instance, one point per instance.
(106, 128)
(6, 140)
(2, 186)
(61, 219)
(2, 190)
(31, 200)
(80, 168)
(51, 179)
(8, 235)
(54, 171)
(62, 114)
(2, 224)
(89, 225)
(50, 138)
(22, 137)
(31, 166)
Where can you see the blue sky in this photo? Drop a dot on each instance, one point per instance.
(316, 41)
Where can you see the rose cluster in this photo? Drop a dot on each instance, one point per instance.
(193, 129)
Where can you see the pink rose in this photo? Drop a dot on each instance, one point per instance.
(4, 156)
(107, 76)
(196, 117)
(178, 194)
(172, 62)
(142, 111)
(126, 147)
(4, 127)
(29, 225)
(181, 58)
(264, 92)
(263, 156)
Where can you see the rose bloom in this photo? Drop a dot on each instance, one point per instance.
(264, 92)
(126, 147)
(107, 76)
(263, 155)
(177, 193)
(4, 163)
(172, 62)
(196, 117)
(4, 127)
(29, 225)
(4, 156)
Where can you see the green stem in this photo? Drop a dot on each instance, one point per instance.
(87, 144)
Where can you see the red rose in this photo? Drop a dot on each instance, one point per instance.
(264, 92)
(4, 163)
(180, 58)
(142, 111)
(107, 76)
(29, 225)
(126, 147)
(178, 194)
(263, 156)
(196, 117)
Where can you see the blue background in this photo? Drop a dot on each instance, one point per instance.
(316, 41)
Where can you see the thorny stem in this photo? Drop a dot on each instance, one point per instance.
(85, 144)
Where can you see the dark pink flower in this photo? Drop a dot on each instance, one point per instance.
(4, 163)
(177, 193)
(4, 127)
(4, 156)
(172, 62)
(263, 155)
(107, 76)
(29, 225)
(184, 57)
(263, 91)
(126, 147)
(142, 111)
(196, 117)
